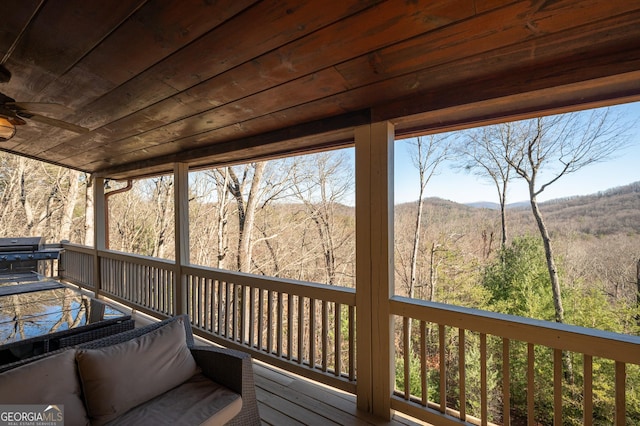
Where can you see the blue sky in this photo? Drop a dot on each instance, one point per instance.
(466, 188)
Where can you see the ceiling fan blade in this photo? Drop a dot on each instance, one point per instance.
(41, 108)
(56, 123)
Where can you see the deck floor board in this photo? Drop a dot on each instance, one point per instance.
(287, 399)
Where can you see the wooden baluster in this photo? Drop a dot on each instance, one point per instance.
(557, 387)
(587, 417)
(406, 355)
(279, 328)
(227, 308)
(443, 368)
(312, 333)
(337, 371)
(260, 319)
(621, 398)
(424, 386)
(300, 329)
(352, 342)
(325, 334)
(506, 384)
(483, 380)
(290, 327)
(207, 304)
(269, 322)
(531, 381)
(220, 305)
(462, 373)
(243, 314)
(252, 317)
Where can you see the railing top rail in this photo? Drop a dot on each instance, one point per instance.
(136, 258)
(77, 247)
(599, 343)
(343, 295)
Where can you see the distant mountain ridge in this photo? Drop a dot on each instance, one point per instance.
(631, 188)
(613, 211)
(495, 206)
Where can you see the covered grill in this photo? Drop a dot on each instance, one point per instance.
(23, 254)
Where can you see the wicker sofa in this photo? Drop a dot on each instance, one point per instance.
(149, 375)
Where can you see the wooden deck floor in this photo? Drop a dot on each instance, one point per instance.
(286, 399)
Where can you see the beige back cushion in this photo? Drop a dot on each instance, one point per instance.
(119, 377)
(52, 381)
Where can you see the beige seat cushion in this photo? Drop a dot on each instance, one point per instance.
(198, 401)
(52, 380)
(119, 377)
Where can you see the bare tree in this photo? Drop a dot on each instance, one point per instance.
(427, 154)
(485, 150)
(322, 184)
(547, 148)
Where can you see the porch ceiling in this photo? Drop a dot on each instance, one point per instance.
(204, 82)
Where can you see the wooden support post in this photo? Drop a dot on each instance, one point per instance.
(374, 267)
(181, 225)
(99, 230)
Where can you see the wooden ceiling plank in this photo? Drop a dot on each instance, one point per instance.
(498, 39)
(15, 16)
(153, 32)
(145, 43)
(146, 89)
(57, 38)
(221, 49)
(548, 75)
(546, 47)
(305, 90)
(328, 47)
(486, 33)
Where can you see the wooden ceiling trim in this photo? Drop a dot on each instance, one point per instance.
(327, 48)
(241, 111)
(579, 83)
(604, 92)
(232, 132)
(315, 133)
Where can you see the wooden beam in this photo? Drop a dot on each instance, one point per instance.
(99, 230)
(374, 267)
(181, 230)
(320, 134)
(555, 87)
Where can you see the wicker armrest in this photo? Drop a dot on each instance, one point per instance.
(234, 370)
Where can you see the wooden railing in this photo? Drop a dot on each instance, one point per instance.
(142, 282)
(302, 327)
(453, 365)
(466, 362)
(76, 265)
